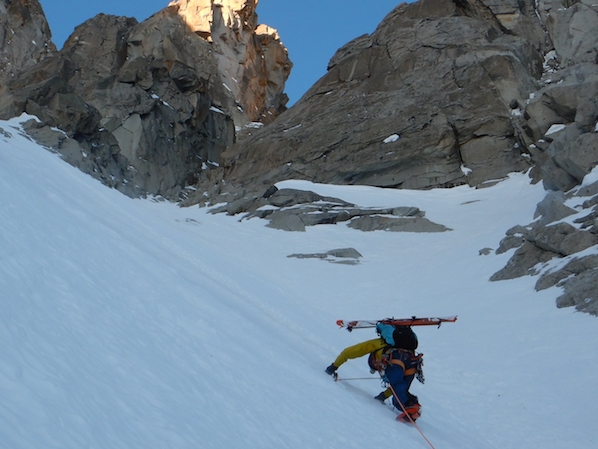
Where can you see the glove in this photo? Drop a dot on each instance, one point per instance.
(331, 369)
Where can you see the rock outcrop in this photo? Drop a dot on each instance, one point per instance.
(343, 256)
(441, 94)
(25, 38)
(294, 210)
(558, 122)
(560, 247)
(145, 107)
(253, 63)
(427, 100)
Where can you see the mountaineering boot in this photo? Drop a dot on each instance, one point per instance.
(413, 411)
(381, 397)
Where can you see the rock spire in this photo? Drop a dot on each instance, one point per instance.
(251, 58)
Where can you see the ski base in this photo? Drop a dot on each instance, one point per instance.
(413, 321)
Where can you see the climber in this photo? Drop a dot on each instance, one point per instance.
(393, 356)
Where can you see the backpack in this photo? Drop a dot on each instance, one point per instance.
(398, 336)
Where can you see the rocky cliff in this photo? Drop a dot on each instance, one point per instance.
(427, 100)
(559, 124)
(145, 107)
(446, 93)
(25, 37)
(251, 60)
(442, 93)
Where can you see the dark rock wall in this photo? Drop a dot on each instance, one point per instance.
(144, 107)
(468, 89)
(445, 77)
(25, 37)
(559, 126)
(567, 97)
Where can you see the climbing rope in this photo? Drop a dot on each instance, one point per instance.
(339, 379)
(409, 416)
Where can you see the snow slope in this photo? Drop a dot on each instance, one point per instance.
(137, 324)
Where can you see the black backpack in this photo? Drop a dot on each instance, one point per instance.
(398, 336)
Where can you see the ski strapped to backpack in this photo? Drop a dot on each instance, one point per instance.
(413, 321)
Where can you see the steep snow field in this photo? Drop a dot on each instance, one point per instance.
(137, 324)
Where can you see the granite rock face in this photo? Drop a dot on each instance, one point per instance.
(558, 122)
(559, 247)
(442, 93)
(558, 125)
(25, 38)
(251, 59)
(146, 107)
(427, 100)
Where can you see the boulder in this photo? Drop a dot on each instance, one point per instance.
(523, 262)
(573, 27)
(581, 292)
(287, 221)
(579, 281)
(562, 239)
(298, 218)
(551, 237)
(552, 208)
(557, 101)
(380, 223)
(510, 242)
(572, 268)
(344, 256)
(541, 244)
(292, 197)
(590, 190)
(579, 156)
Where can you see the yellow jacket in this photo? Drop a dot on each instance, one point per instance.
(376, 345)
(359, 350)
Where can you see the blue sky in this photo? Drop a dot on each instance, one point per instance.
(312, 30)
